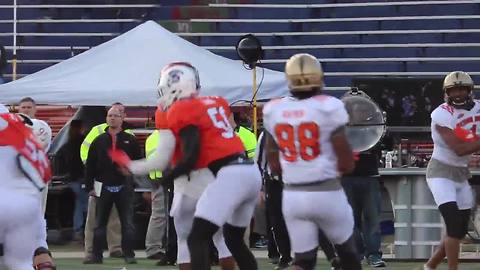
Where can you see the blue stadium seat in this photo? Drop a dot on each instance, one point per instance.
(364, 52)
(226, 26)
(351, 67)
(461, 37)
(187, 9)
(393, 38)
(421, 24)
(338, 81)
(402, 38)
(61, 41)
(278, 40)
(44, 54)
(452, 52)
(6, 28)
(433, 66)
(93, 27)
(23, 68)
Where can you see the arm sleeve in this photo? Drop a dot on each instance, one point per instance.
(160, 159)
(190, 141)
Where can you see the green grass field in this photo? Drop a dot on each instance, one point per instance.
(143, 264)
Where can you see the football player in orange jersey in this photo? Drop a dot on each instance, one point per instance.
(206, 139)
(187, 191)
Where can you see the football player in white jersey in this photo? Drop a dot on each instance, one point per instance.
(306, 143)
(25, 171)
(447, 171)
(27, 106)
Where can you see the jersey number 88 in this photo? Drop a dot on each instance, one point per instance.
(307, 134)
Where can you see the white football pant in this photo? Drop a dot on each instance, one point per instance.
(306, 212)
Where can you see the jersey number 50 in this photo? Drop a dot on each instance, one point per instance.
(306, 133)
(220, 120)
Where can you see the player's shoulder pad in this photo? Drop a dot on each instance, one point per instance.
(267, 108)
(443, 110)
(442, 113)
(327, 103)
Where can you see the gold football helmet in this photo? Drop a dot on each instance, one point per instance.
(457, 78)
(462, 80)
(304, 72)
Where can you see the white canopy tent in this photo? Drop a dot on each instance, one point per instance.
(126, 69)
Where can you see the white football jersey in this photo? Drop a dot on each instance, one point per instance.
(302, 131)
(12, 177)
(447, 116)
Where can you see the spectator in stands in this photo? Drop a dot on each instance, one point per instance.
(116, 189)
(362, 187)
(113, 232)
(71, 163)
(3, 62)
(158, 218)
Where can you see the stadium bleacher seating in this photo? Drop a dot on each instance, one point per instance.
(351, 38)
(422, 36)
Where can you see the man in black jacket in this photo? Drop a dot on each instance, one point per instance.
(362, 187)
(116, 188)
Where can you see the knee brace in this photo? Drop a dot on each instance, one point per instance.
(42, 259)
(347, 252)
(306, 260)
(453, 220)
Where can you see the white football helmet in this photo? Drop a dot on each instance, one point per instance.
(177, 80)
(43, 132)
(304, 72)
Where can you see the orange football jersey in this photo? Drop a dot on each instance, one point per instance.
(210, 116)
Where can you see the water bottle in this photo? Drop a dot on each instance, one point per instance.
(388, 159)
